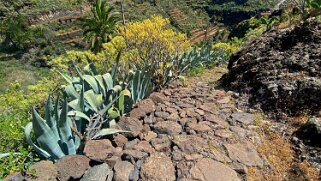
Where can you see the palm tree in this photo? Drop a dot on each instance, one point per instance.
(99, 28)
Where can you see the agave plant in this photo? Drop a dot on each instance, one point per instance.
(91, 104)
(53, 134)
(199, 57)
(140, 84)
(96, 100)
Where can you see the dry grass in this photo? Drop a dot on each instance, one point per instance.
(277, 150)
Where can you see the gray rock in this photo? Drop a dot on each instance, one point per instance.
(158, 97)
(134, 176)
(134, 154)
(239, 131)
(216, 120)
(184, 105)
(137, 113)
(199, 127)
(164, 115)
(120, 140)
(98, 173)
(207, 169)
(223, 133)
(144, 146)
(147, 105)
(149, 135)
(209, 107)
(244, 153)
(162, 144)
(113, 160)
(190, 143)
(131, 144)
(168, 127)
(310, 133)
(72, 167)
(244, 118)
(99, 150)
(218, 156)
(123, 170)
(149, 119)
(15, 176)
(134, 126)
(157, 167)
(45, 170)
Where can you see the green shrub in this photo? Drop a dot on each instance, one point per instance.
(14, 115)
(18, 34)
(17, 162)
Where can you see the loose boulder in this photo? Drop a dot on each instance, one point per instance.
(207, 169)
(158, 167)
(72, 167)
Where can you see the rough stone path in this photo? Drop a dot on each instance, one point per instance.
(182, 133)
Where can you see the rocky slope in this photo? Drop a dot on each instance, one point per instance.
(184, 134)
(280, 71)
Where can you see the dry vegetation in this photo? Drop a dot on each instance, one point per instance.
(277, 150)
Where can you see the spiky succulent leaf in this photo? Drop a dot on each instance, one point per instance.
(50, 116)
(94, 100)
(108, 131)
(78, 114)
(64, 126)
(71, 91)
(92, 82)
(45, 137)
(66, 77)
(108, 81)
(27, 131)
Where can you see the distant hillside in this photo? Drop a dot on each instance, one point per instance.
(200, 19)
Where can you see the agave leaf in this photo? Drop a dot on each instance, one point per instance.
(78, 71)
(39, 124)
(99, 79)
(78, 114)
(109, 81)
(46, 139)
(113, 70)
(66, 77)
(92, 99)
(74, 104)
(108, 106)
(65, 132)
(71, 91)
(81, 101)
(92, 82)
(121, 103)
(108, 131)
(134, 86)
(56, 109)
(93, 68)
(40, 151)
(50, 116)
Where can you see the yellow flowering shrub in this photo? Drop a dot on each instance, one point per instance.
(148, 42)
(227, 47)
(103, 59)
(152, 40)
